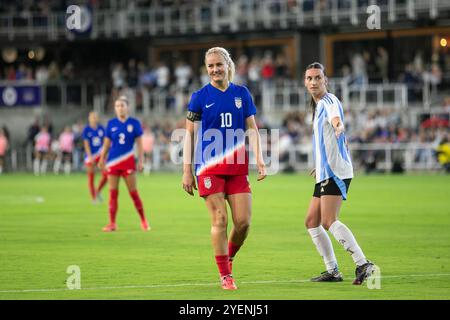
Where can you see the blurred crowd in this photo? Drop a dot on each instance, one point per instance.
(63, 151)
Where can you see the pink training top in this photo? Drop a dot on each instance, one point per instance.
(3, 145)
(147, 142)
(66, 142)
(42, 141)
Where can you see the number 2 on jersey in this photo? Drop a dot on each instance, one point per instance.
(227, 120)
(121, 138)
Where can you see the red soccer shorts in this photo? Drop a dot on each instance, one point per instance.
(95, 159)
(210, 184)
(123, 168)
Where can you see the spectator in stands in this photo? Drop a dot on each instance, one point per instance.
(66, 145)
(204, 78)
(162, 76)
(42, 74)
(382, 62)
(446, 103)
(21, 73)
(118, 76)
(3, 149)
(78, 148)
(32, 131)
(281, 68)
(53, 71)
(443, 153)
(411, 80)
(241, 76)
(359, 70)
(6, 132)
(132, 74)
(42, 149)
(268, 69)
(183, 75)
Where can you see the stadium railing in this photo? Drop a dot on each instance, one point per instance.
(207, 16)
(271, 97)
(378, 156)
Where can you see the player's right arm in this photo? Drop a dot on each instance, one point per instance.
(105, 149)
(188, 151)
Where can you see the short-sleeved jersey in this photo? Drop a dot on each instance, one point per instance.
(122, 136)
(220, 146)
(95, 138)
(331, 154)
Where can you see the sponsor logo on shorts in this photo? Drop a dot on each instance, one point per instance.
(207, 182)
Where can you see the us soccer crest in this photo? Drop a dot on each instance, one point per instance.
(238, 102)
(207, 182)
(130, 128)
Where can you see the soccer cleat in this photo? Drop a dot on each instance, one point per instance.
(110, 227)
(145, 226)
(228, 283)
(326, 276)
(363, 272)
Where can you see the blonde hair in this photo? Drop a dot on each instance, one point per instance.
(226, 56)
(123, 99)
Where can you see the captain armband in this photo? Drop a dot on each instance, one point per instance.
(194, 116)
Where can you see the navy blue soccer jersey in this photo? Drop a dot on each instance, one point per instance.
(122, 136)
(220, 146)
(95, 138)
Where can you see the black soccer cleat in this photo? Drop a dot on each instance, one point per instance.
(363, 272)
(326, 276)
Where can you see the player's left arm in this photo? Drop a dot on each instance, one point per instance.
(140, 151)
(255, 143)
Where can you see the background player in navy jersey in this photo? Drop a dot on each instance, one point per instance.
(93, 135)
(121, 134)
(333, 173)
(225, 110)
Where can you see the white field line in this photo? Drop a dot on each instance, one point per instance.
(193, 284)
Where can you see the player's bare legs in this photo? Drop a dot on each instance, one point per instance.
(330, 206)
(313, 217)
(130, 181)
(90, 173)
(113, 182)
(219, 219)
(241, 212)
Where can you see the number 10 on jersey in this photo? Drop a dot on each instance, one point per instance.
(226, 119)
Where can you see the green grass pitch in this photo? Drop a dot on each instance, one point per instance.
(49, 223)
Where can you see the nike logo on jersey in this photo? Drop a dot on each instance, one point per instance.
(209, 105)
(114, 129)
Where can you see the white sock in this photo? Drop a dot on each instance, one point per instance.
(67, 167)
(345, 237)
(36, 166)
(147, 168)
(44, 167)
(57, 166)
(324, 246)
